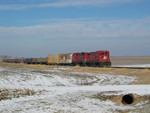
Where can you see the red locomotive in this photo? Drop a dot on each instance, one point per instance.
(79, 59)
(96, 59)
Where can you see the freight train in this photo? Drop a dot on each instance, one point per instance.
(94, 59)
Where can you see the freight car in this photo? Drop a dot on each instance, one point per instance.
(27, 61)
(64, 59)
(5, 60)
(51, 60)
(34, 60)
(96, 59)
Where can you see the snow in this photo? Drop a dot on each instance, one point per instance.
(2, 69)
(106, 79)
(66, 91)
(38, 79)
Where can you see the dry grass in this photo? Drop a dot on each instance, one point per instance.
(6, 94)
(27, 66)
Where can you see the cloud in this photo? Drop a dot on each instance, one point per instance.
(121, 37)
(63, 3)
(78, 29)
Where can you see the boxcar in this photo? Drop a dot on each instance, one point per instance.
(20, 60)
(51, 59)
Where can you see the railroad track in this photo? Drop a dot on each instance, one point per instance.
(131, 67)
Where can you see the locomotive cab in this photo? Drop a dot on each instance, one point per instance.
(104, 58)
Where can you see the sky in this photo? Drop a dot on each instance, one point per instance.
(36, 28)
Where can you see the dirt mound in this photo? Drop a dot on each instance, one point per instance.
(123, 99)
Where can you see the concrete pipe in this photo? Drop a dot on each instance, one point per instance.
(128, 99)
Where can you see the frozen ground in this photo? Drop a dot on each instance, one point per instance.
(65, 92)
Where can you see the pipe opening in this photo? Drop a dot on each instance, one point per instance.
(127, 99)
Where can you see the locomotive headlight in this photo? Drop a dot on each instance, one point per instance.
(105, 57)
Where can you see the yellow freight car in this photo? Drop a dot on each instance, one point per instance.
(64, 59)
(58, 58)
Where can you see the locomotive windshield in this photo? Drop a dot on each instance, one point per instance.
(105, 53)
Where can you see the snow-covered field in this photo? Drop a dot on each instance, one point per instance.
(139, 65)
(65, 91)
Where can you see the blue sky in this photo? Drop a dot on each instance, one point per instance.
(37, 28)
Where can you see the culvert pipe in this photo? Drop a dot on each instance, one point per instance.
(128, 99)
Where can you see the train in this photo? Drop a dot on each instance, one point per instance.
(94, 59)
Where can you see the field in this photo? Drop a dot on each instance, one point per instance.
(130, 60)
(59, 89)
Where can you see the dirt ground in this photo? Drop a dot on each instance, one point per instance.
(143, 76)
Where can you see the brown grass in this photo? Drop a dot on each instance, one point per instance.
(28, 66)
(6, 94)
